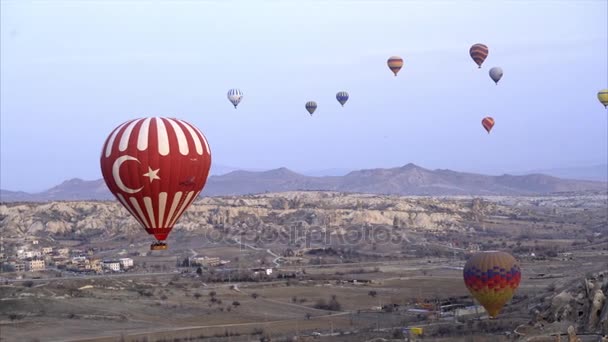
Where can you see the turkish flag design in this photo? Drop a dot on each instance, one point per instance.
(156, 167)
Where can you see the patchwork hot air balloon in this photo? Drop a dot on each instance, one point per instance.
(496, 74)
(342, 97)
(235, 96)
(156, 167)
(478, 52)
(395, 63)
(492, 278)
(311, 106)
(487, 123)
(602, 95)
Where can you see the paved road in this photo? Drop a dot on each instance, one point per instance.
(98, 276)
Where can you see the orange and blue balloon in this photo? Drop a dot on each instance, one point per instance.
(492, 278)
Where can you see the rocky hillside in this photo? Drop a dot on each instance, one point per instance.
(407, 180)
(578, 307)
(302, 209)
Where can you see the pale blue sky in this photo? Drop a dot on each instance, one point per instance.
(71, 71)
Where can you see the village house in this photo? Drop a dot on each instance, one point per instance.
(79, 259)
(205, 261)
(35, 265)
(17, 266)
(126, 262)
(112, 265)
(261, 271)
(63, 251)
(95, 265)
(60, 260)
(23, 253)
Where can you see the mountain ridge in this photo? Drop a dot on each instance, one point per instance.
(409, 179)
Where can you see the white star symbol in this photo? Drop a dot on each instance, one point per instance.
(152, 174)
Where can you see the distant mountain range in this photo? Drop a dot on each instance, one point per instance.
(406, 180)
(219, 169)
(594, 172)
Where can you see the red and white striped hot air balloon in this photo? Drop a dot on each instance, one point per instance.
(156, 167)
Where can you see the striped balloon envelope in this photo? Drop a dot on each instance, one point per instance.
(395, 63)
(156, 167)
(479, 53)
(602, 95)
(235, 96)
(487, 123)
(492, 278)
(311, 106)
(342, 97)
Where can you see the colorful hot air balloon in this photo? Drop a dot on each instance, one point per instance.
(478, 52)
(602, 95)
(311, 106)
(496, 74)
(156, 167)
(235, 96)
(342, 97)
(487, 123)
(395, 63)
(492, 278)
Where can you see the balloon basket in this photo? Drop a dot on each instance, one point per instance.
(158, 246)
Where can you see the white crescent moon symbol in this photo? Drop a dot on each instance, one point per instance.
(116, 174)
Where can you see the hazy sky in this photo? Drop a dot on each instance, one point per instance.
(71, 71)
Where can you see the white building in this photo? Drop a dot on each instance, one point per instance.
(35, 265)
(261, 271)
(111, 265)
(63, 251)
(47, 250)
(25, 254)
(205, 261)
(79, 258)
(126, 262)
(33, 254)
(21, 253)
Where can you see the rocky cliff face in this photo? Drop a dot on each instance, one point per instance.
(583, 304)
(332, 210)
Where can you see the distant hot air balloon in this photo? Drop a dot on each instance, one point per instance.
(235, 96)
(342, 97)
(487, 123)
(492, 278)
(602, 95)
(395, 63)
(478, 52)
(156, 167)
(311, 106)
(496, 74)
